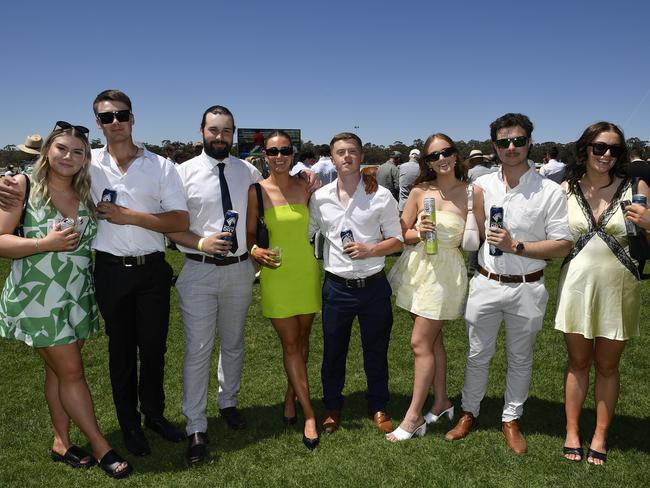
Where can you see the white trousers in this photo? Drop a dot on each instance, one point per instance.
(212, 297)
(521, 306)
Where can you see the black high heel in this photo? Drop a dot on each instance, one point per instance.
(289, 420)
(310, 443)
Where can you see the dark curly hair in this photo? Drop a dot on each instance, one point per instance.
(426, 173)
(576, 170)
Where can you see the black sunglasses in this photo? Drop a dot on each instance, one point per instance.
(120, 115)
(274, 151)
(516, 141)
(62, 124)
(435, 156)
(600, 148)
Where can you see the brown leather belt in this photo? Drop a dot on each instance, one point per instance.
(355, 282)
(506, 278)
(217, 262)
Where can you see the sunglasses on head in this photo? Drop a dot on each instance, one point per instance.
(274, 151)
(62, 124)
(435, 156)
(108, 117)
(516, 141)
(600, 148)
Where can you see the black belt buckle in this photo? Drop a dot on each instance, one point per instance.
(356, 283)
(129, 261)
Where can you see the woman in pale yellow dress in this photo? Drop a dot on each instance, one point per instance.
(599, 292)
(432, 287)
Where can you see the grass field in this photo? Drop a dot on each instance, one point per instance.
(267, 454)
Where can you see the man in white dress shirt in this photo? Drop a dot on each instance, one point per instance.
(510, 287)
(132, 278)
(355, 284)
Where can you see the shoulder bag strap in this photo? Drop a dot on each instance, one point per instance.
(20, 230)
(260, 202)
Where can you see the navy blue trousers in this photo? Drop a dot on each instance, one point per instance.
(373, 308)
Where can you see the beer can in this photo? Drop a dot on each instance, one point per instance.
(229, 225)
(346, 237)
(64, 223)
(496, 222)
(431, 237)
(630, 227)
(109, 195)
(640, 199)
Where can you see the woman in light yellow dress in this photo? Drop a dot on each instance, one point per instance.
(432, 287)
(598, 293)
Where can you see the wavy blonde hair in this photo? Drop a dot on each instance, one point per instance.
(40, 193)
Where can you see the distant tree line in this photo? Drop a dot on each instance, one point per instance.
(374, 154)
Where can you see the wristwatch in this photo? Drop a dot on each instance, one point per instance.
(520, 248)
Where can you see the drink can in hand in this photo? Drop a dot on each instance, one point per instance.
(496, 222)
(229, 225)
(431, 237)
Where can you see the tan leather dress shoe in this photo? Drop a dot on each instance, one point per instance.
(514, 437)
(382, 421)
(465, 424)
(331, 421)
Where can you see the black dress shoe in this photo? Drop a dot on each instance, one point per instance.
(197, 448)
(135, 442)
(310, 443)
(233, 418)
(164, 428)
(289, 420)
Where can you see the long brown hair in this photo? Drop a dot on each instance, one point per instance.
(575, 170)
(426, 173)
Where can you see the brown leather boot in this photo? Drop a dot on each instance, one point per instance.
(514, 437)
(465, 424)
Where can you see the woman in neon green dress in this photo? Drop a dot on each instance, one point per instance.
(48, 299)
(290, 276)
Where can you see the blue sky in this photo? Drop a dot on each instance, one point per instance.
(397, 70)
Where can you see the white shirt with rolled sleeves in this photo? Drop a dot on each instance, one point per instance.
(150, 184)
(535, 210)
(371, 218)
(200, 181)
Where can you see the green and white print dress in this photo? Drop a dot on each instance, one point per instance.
(49, 298)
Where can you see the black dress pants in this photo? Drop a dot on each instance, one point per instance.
(134, 301)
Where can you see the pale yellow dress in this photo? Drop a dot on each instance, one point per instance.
(433, 286)
(598, 291)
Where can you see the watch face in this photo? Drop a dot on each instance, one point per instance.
(520, 246)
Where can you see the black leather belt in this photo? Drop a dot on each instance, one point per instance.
(505, 278)
(129, 261)
(355, 282)
(217, 262)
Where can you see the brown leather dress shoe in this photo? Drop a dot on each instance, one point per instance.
(514, 438)
(331, 421)
(465, 424)
(382, 421)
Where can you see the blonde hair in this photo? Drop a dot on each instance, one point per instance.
(40, 193)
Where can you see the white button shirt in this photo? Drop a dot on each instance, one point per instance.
(371, 218)
(150, 184)
(535, 210)
(200, 180)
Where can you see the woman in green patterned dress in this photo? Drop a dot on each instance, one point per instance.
(48, 299)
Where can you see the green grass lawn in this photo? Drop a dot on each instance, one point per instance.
(268, 454)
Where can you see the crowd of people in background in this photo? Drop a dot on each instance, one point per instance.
(229, 216)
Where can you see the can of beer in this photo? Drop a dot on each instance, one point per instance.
(496, 222)
(64, 223)
(109, 195)
(431, 237)
(229, 225)
(630, 228)
(640, 199)
(346, 237)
